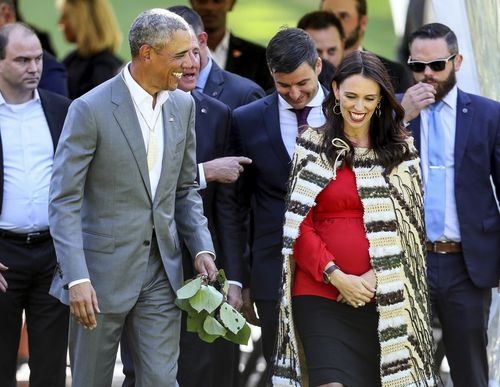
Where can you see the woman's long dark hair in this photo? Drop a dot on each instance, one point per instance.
(387, 133)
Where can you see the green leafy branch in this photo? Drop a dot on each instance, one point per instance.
(208, 312)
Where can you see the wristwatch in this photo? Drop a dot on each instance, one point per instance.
(327, 272)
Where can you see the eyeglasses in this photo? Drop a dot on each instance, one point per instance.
(436, 65)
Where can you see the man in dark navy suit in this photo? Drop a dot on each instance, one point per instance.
(232, 89)
(54, 76)
(232, 53)
(31, 121)
(458, 136)
(265, 131)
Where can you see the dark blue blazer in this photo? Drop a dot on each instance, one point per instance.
(55, 108)
(213, 125)
(230, 88)
(477, 158)
(263, 188)
(54, 76)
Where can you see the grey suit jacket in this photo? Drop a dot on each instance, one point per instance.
(101, 211)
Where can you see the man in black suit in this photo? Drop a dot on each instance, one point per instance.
(31, 122)
(232, 53)
(54, 77)
(354, 18)
(265, 131)
(458, 136)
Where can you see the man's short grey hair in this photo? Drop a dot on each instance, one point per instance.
(154, 27)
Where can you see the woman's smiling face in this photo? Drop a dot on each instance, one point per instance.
(358, 97)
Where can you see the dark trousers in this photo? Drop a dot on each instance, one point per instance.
(200, 363)
(268, 311)
(463, 310)
(31, 267)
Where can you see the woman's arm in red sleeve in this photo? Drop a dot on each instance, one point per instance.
(310, 251)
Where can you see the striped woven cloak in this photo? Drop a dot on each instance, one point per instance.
(393, 220)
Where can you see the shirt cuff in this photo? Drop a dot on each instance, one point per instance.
(80, 281)
(237, 283)
(201, 174)
(206, 252)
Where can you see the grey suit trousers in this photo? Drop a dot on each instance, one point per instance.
(152, 327)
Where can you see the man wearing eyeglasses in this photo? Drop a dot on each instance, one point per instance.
(458, 136)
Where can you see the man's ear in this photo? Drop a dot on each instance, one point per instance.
(318, 66)
(202, 39)
(145, 52)
(457, 62)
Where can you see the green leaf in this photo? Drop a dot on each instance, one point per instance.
(207, 298)
(207, 337)
(241, 337)
(231, 318)
(185, 306)
(195, 322)
(213, 327)
(221, 279)
(189, 289)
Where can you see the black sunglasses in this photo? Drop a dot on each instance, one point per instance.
(436, 65)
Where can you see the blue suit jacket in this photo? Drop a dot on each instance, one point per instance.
(213, 125)
(230, 88)
(477, 157)
(263, 189)
(55, 108)
(54, 76)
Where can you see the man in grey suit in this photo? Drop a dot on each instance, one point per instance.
(123, 193)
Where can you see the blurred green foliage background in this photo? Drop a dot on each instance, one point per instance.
(256, 20)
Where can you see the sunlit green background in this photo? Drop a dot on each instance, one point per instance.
(256, 20)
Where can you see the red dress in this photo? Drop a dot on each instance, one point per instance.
(332, 231)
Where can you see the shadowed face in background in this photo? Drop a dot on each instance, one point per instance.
(354, 25)
(213, 12)
(329, 44)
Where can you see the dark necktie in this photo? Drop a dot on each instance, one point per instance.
(302, 115)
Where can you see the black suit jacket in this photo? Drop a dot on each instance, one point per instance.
(248, 60)
(401, 78)
(477, 159)
(54, 77)
(55, 108)
(230, 88)
(213, 125)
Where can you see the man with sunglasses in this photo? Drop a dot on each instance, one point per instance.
(458, 136)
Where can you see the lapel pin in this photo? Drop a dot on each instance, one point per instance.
(237, 53)
(171, 119)
(465, 110)
(214, 94)
(203, 110)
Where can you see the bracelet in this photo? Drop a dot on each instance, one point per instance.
(327, 272)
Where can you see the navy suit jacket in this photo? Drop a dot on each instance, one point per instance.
(212, 126)
(54, 76)
(55, 108)
(230, 88)
(477, 158)
(262, 188)
(248, 60)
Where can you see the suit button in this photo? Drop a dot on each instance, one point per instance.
(146, 243)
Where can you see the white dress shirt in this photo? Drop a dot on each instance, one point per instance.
(288, 119)
(150, 119)
(28, 153)
(448, 115)
(221, 51)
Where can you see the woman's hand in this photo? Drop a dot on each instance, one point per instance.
(354, 290)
